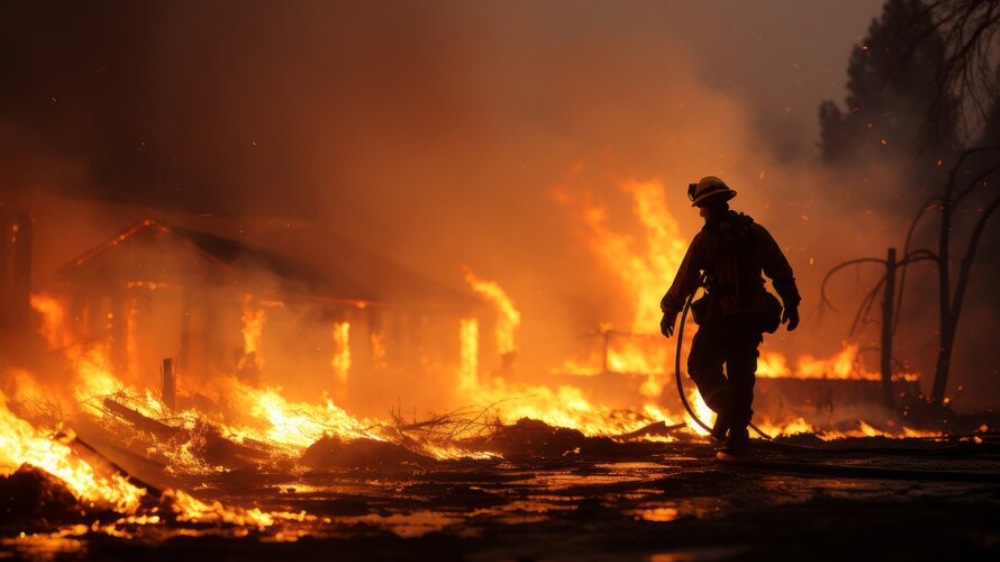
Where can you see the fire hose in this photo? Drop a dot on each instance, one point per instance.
(846, 471)
(680, 383)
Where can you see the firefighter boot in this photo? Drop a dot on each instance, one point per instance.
(721, 426)
(721, 402)
(738, 441)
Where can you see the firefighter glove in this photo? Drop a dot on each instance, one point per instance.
(667, 324)
(791, 316)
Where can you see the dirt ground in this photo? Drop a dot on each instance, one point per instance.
(654, 502)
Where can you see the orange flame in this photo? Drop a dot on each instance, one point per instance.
(508, 317)
(468, 374)
(53, 315)
(21, 444)
(643, 272)
(341, 361)
(253, 327)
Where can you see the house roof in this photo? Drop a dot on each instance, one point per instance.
(152, 251)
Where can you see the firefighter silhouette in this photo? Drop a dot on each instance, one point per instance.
(728, 258)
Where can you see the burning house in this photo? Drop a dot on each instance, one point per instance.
(383, 281)
(220, 306)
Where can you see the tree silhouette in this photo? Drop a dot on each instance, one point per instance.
(889, 96)
(968, 178)
(969, 31)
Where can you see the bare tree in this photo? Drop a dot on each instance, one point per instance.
(966, 179)
(970, 33)
(950, 302)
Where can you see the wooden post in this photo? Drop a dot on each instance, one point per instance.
(887, 320)
(169, 393)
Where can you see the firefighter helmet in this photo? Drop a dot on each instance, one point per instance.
(709, 187)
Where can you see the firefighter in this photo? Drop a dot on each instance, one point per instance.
(727, 257)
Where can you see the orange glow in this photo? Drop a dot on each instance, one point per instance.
(131, 336)
(644, 270)
(341, 361)
(379, 351)
(53, 315)
(151, 285)
(844, 365)
(21, 444)
(468, 374)
(218, 404)
(292, 426)
(253, 327)
(700, 408)
(841, 366)
(508, 317)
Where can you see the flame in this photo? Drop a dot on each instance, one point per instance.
(53, 315)
(20, 443)
(644, 273)
(840, 366)
(379, 351)
(638, 355)
(341, 361)
(295, 425)
(262, 414)
(508, 317)
(568, 406)
(843, 365)
(701, 409)
(247, 414)
(468, 374)
(193, 510)
(253, 327)
(131, 343)
(772, 365)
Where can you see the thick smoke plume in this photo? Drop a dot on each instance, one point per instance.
(439, 135)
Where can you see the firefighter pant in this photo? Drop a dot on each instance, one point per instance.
(729, 341)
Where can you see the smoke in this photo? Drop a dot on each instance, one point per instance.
(436, 134)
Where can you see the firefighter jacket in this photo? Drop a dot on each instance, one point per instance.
(732, 251)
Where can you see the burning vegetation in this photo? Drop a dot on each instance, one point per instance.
(203, 418)
(108, 446)
(169, 372)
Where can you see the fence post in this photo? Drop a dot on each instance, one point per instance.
(887, 318)
(169, 384)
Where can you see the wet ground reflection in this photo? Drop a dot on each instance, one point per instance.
(479, 507)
